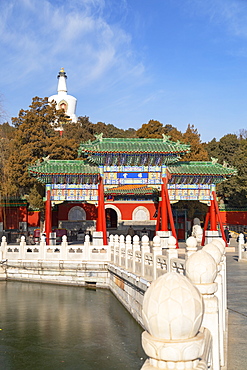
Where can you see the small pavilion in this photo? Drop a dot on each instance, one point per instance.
(135, 177)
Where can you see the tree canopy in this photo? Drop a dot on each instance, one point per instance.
(35, 138)
(34, 134)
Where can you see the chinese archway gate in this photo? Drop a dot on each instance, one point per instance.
(122, 169)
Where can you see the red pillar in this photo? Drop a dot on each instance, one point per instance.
(213, 222)
(164, 218)
(48, 220)
(219, 218)
(101, 221)
(169, 209)
(158, 218)
(205, 227)
(99, 216)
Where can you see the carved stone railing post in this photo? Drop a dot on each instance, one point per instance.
(111, 240)
(121, 249)
(116, 248)
(86, 248)
(22, 247)
(171, 252)
(64, 246)
(128, 245)
(217, 255)
(240, 245)
(144, 249)
(191, 246)
(136, 247)
(172, 315)
(156, 251)
(201, 269)
(111, 247)
(221, 245)
(3, 247)
(42, 247)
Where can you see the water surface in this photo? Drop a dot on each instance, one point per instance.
(62, 327)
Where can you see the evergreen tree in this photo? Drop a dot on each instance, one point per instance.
(232, 151)
(35, 138)
(80, 131)
(197, 149)
(153, 129)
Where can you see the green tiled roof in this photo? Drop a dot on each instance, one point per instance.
(64, 167)
(201, 168)
(127, 145)
(129, 190)
(54, 171)
(13, 203)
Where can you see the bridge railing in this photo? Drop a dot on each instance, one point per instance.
(144, 258)
(242, 247)
(205, 268)
(85, 252)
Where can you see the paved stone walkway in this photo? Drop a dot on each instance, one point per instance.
(237, 311)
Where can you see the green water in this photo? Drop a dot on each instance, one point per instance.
(59, 327)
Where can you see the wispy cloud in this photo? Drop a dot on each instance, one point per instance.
(232, 14)
(76, 34)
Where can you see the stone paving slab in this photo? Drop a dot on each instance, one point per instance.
(237, 312)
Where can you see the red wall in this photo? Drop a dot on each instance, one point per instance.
(127, 209)
(13, 215)
(63, 210)
(234, 217)
(33, 218)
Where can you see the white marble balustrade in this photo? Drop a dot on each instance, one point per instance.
(85, 252)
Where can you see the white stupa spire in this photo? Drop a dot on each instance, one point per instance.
(62, 99)
(62, 86)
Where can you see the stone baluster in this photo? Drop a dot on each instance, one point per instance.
(201, 269)
(121, 247)
(171, 252)
(144, 249)
(172, 315)
(222, 247)
(111, 240)
(240, 245)
(22, 247)
(116, 248)
(145, 243)
(128, 245)
(191, 246)
(87, 240)
(86, 249)
(135, 247)
(144, 246)
(3, 247)
(111, 247)
(156, 251)
(64, 246)
(42, 247)
(217, 255)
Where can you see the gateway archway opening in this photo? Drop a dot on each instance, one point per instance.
(111, 218)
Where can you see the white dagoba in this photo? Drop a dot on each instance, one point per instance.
(62, 99)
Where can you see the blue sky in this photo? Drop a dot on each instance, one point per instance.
(129, 61)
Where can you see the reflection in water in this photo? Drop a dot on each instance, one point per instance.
(61, 327)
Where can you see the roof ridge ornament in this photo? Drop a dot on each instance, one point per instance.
(214, 160)
(47, 158)
(99, 136)
(166, 137)
(225, 164)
